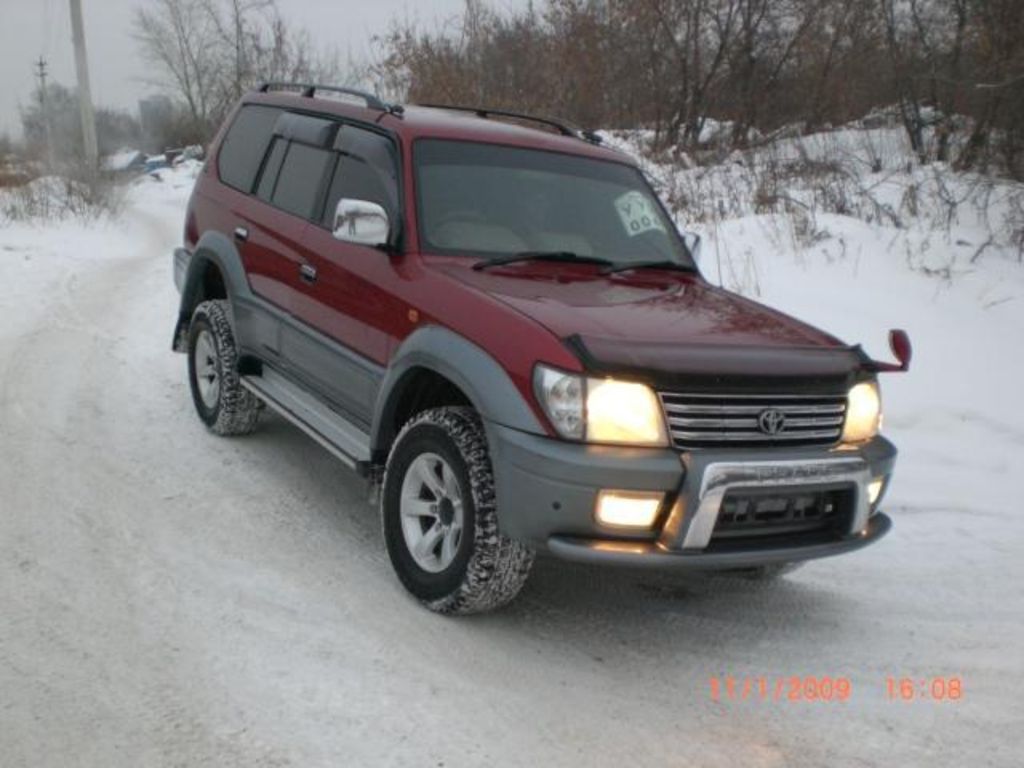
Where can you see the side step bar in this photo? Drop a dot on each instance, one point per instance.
(325, 425)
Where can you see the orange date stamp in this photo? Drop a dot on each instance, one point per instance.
(827, 688)
(780, 688)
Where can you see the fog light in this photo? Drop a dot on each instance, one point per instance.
(628, 509)
(875, 489)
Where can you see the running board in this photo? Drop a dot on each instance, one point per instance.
(325, 425)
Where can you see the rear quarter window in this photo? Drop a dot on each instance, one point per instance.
(245, 144)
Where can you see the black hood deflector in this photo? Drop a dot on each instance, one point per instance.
(795, 369)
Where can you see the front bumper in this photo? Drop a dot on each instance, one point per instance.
(647, 554)
(547, 492)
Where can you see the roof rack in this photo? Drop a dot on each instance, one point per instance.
(309, 90)
(562, 128)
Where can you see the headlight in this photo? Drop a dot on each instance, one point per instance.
(600, 410)
(623, 412)
(863, 413)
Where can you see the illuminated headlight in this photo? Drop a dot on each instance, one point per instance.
(863, 413)
(600, 410)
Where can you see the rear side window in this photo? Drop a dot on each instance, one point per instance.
(301, 177)
(367, 169)
(244, 145)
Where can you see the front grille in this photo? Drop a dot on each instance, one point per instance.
(764, 512)
(705, 421)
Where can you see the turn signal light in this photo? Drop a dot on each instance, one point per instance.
(875, 490)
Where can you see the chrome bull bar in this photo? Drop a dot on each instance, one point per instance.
(694, 530)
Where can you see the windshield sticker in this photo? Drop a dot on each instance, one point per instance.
(638, 214)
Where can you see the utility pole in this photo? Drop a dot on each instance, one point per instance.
(41, 74)
(84, 93)
(45, 112)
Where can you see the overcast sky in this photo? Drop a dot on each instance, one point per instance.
(30, 28)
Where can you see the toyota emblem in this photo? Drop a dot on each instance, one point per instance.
(771, 421)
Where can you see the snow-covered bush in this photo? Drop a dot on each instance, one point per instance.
(868, 174)
(74, 193)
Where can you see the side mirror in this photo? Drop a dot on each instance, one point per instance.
(693, 244)
(899, 343)
(362, 222)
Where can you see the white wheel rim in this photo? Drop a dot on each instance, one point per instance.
(432, 513)
(207, 375)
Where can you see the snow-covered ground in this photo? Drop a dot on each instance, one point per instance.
(170, 598)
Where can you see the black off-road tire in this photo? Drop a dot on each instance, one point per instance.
(236, 409)
(489, 569)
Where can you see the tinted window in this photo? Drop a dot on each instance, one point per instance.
(271, 168)
(488, 199)
(302, 174)
(367, 170)
(244, 145)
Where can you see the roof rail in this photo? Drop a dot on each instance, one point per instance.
(309, 90)
(563, 128)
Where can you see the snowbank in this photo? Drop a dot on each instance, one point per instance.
(843, 229)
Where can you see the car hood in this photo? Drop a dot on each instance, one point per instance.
(661, 321)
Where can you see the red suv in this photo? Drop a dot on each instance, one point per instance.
(493, 318)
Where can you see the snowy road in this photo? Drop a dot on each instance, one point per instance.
(170, 598)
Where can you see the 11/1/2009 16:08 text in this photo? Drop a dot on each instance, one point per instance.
(809, 688)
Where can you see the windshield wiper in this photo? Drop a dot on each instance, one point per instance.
(563, 256)
(653, 264)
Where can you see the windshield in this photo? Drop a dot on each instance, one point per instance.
(489, 200)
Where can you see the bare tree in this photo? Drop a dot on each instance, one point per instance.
(207, 53)
(940, 29)
(764, 65)
(179, 38)
(696, 36)
(836, 68)
(237, 33)
(899, 37)
(997, 96)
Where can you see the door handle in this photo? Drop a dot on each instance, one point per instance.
(241, 234)
(308, 273)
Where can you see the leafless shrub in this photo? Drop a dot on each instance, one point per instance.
(910, 202)
(1016, 226)
(77, 192)
(766, 194)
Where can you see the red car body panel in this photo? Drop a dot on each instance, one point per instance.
(664, 307)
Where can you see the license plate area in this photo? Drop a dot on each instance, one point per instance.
(784, 512)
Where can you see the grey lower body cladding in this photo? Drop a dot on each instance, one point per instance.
(721, 508)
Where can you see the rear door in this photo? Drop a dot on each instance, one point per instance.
(290, 192)
(239, 217)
